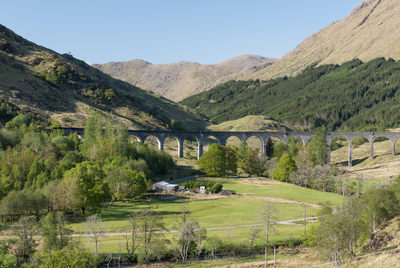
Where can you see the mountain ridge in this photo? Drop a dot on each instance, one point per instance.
(369, 31)
(178, 80)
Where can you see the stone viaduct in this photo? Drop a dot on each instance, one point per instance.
(222, 137)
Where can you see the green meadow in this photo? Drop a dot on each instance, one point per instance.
(233, 211)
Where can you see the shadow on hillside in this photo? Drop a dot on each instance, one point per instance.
(354, 162)
(359, 161)
(123, 212)
(178, 174)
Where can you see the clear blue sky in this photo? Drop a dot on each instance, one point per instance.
(165, 31)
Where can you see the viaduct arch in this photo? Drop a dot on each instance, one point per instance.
(370, 136)
(222, 137)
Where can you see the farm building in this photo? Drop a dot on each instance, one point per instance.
(164, 186)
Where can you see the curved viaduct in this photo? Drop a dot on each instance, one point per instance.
(223, 136)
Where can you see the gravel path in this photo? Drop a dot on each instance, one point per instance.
(281, 200)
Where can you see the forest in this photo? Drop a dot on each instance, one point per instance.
(352, 96)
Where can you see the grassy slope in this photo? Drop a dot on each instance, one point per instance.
(249, 123)
(64, 88)
(383, 167)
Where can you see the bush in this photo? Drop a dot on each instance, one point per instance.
(216, 188)
(68, 258)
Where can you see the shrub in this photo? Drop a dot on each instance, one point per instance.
(216, 188)
(68, 258)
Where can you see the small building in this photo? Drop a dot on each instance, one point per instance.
(171, 187)
(164, 186)
(202, 189)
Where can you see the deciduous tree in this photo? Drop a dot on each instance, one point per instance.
(267, 217)
(218, 161)
(89, 185)
(284, 168)
(95, 228)
(55, 232)
(25, 245)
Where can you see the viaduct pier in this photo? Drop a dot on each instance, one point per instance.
(221, 138)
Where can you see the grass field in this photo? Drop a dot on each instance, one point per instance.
(112, 244)
(222, 212)
(236, 210)
(280, 190)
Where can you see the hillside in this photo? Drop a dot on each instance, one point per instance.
(351, 96)
(176, 81)
(249, 123)
(371, 30)
(65, 89)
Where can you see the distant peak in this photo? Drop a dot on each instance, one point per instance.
(140, 61)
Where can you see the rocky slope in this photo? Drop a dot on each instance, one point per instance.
(179, 80)
(371, 30)
(65, 89)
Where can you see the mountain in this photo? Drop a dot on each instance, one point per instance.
(351, 96)
(371, 30)
(176, 81)
(39, 80)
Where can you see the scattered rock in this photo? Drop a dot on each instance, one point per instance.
(379, 240)
(227, 192)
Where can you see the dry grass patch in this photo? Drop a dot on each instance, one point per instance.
(259, 181)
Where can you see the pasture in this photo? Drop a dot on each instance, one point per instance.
(227, 213)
